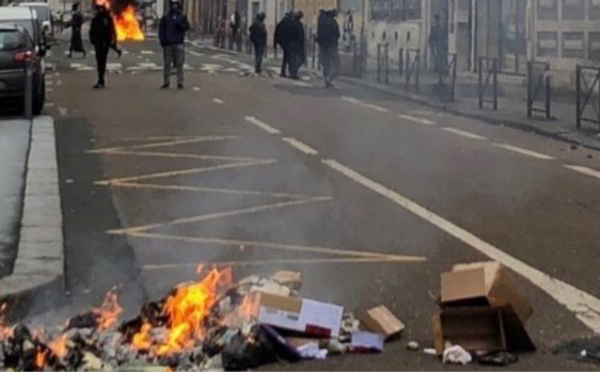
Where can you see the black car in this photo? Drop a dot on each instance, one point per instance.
(22, 42)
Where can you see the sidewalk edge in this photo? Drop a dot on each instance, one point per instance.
(37, 281)
(481, 116)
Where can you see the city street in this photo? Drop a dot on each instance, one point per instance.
(370, 197)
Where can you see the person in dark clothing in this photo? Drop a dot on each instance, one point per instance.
(102, 36)
(438, 42)
(295, 41)
(235, 25)
(76, 24)
(328, 34)
(258, 37)
(280, 38)
(171, 34)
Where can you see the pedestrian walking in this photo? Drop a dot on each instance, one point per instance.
(235, 22)
(295, 41)
(349, 26)
(102, 36)
(281, 38)
(171, 34)
(76, 23)
(258, 37)
(438, 42)
(328, 35)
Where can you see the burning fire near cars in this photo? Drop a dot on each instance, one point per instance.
(126, 23)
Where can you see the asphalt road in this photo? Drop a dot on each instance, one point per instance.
(370, 197)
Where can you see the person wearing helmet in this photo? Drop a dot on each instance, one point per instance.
(258, 37)
(171, 34)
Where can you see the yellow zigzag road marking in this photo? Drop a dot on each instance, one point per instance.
(164, 144)
(277, 246)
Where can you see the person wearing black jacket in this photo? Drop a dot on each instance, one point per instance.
(280, 37)
(258, 37)
(295, 41)
(76, 24)
(102, 36)
(171, 34)
(328, 34)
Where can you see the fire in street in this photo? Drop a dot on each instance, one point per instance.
(126, 23)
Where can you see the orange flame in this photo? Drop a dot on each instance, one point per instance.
(5, 330)
(59, 346)
(40, 359)
(127, 25)
(187, 309)
(108, 313)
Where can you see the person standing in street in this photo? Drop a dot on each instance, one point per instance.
(76, 24)
(258, 37)
(296, 42)
(235, 22)
(102, 36)
(328, 35)
(280, 38)
(171, 34)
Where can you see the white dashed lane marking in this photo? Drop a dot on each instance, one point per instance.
(584, 170)
(416, 119)
(262, 125)
(219, 101)
(525, 152)
(464, 133)
(300, 146)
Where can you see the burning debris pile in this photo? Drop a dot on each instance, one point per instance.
(209, 324)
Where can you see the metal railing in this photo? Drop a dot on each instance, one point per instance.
(413, 68)
(359, 57)
(488, 67)
(447, 77)
(400, 61)
(586, 92)
(383, 63)
(539, 87)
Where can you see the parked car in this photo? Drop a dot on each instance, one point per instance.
(21, 43)
(43, 13)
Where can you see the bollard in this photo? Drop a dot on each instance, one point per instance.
(28, 96)
(495, 64)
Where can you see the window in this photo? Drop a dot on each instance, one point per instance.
(11, 40)
(573, 10)
(395, 10)
(547, 10)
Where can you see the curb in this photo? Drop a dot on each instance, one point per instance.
(39, 267)
(472, 114)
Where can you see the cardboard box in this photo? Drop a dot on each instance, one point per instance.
(381, 320)
(310, 317)
(483, 283)
(482, 310)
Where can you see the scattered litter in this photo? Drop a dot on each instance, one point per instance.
(456, 355)
(583, 353)
(498, 358)
(366, 342)
(312, 351)
(413, 346)
(381, 320)
(430, 351)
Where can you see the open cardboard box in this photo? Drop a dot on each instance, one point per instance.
(482, 310)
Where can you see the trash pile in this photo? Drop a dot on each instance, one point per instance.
(482, 316)
(210, 324)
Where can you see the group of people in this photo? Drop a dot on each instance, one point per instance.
(289, 35)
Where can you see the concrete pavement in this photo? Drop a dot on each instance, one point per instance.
(371, 197)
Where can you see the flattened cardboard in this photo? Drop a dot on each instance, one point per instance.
(381, 320)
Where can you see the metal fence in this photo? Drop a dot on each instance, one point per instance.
(588, 94)
(539, 88)
(383, 63)
(488, 82)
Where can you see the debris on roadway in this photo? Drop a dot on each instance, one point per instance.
(210, 324)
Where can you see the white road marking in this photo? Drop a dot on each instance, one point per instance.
(194, 53)
(114, 66)
(231, 69)
(375, 107)
(585, 307)
(85, 68)
(196, 89)
(523, 151)
(416, 119)
(49, 90)
(584, 170)
(301, 84)
(62, 111)
(76, 65)
(464, 133)
(351, 100)
(49, 82)
(49, 104)
(219, 101)
(300, 146)
(262, 125)
(147, 52)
